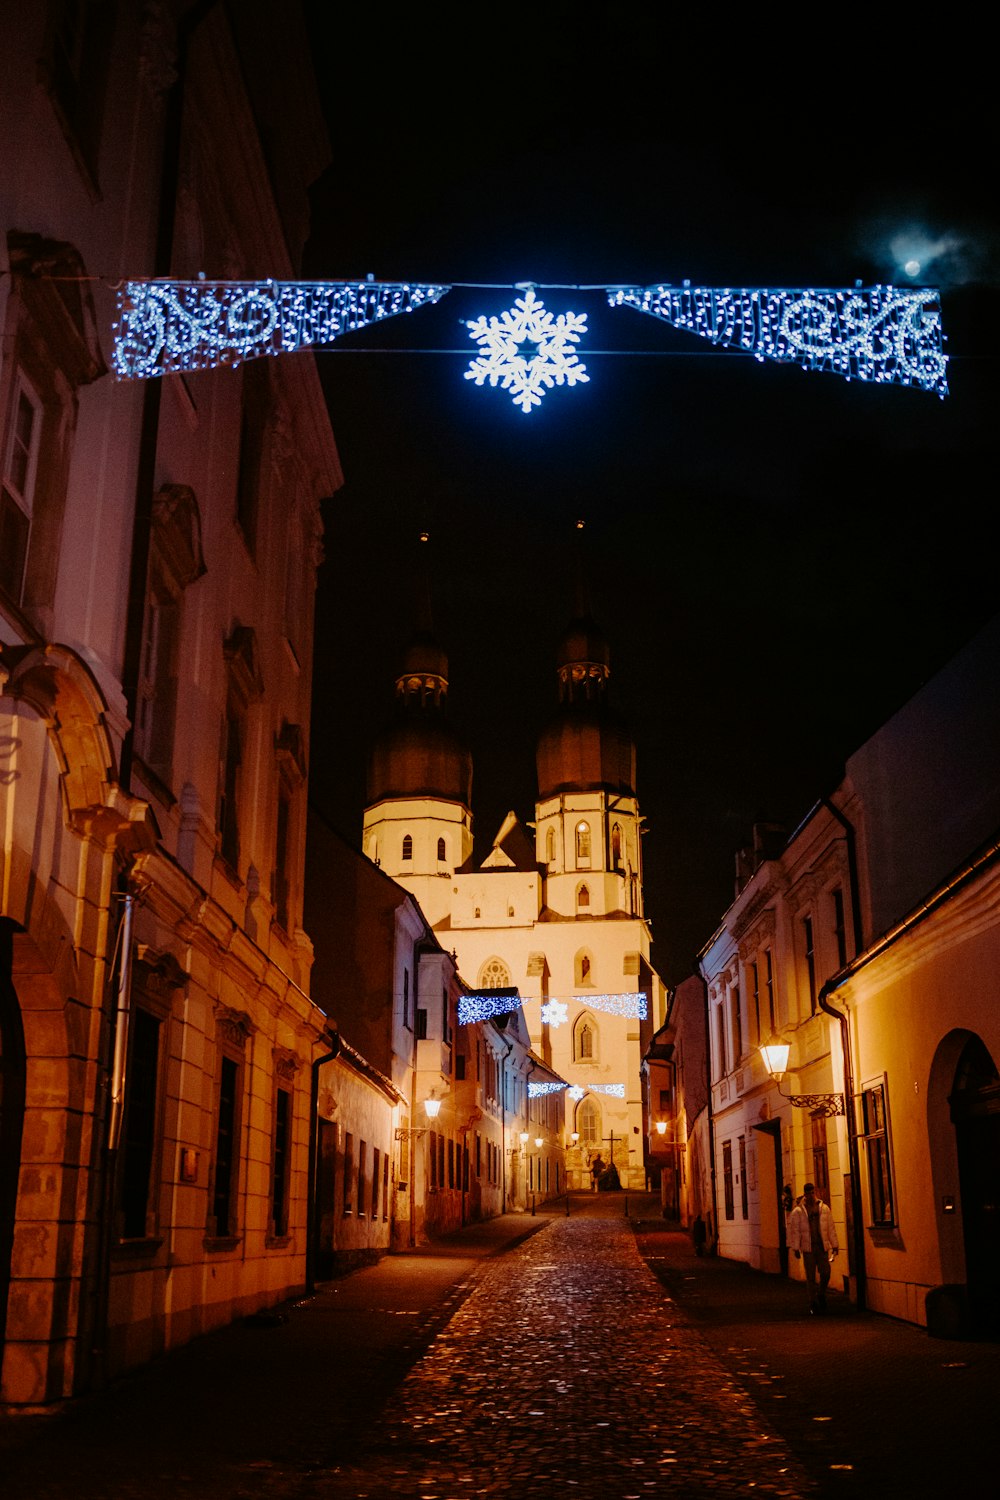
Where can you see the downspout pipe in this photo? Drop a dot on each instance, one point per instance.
(333, 1042)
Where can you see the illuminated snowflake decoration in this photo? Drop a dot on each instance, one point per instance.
(555, 1013)
(576, 1092)
(528, 351)
(539, 1090)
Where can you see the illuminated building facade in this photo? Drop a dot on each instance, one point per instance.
(868, 943)
(554, 912)
(158, 544)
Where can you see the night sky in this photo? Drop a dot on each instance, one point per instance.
(779, 559)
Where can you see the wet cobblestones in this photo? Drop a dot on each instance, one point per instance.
(568, 1369)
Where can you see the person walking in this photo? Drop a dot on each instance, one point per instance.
(813, 1238)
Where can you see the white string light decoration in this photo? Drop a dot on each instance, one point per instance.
(528, 350)
(613, 1090)
(169, 326)
(878, 334)
(472, 1008)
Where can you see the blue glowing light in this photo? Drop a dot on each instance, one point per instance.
(168, 326)
(472, 1008)
(527, 350)
(877, 334)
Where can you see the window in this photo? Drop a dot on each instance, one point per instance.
(583, 845)
(451, 1163)
(582, 967)
(769, 987)
(136, 1197)
(253, 427)
(755, 992)
(376, 1166)
(839, 929)
(875, 1134)
(550, 845)
(244, 685)
(583, 898)
(736, 1024)
(407, 846)
(820, 1167)
(227, 1149)
(727, 1179)
(362, 1176)
(494, 975)
(406, 998)
(616, 846)
(442, 849)
(51, 350)
(585, 1039)
(385, 1186)
(744, 1203)
(348, 1173)
(175, 562)
(807, 937)
(74, 71)
(719, 1038)
(281, 1161)
(17, 487)
(433, 1158)
(588, 1121)
(421, 1024)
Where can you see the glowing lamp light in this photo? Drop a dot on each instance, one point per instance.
(538, 1141)
(661, 1127)
(432, 1107)
(776, 1058)
(575, 1137)
(524, 1137)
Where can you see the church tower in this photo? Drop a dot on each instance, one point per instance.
(587, 823)
(418, 818)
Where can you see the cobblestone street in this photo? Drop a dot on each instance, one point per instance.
(598, 1385)
(592, 1354)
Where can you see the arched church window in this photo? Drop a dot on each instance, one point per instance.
(585, 1039)
(494, 975)
(550, 846)
(583, 898)
(442, 852)
(616, 846)
(407, 846)
(588, 1121)
(582, 964)
(583, 843)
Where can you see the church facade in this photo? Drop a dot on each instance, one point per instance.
(555, 909)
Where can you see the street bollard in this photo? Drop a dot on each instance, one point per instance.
(567, 1205)
(626, 1205)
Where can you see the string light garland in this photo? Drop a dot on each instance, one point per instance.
(472, 1008)
(165, 327)
(528, 350)
(878, 334)
(574, 1091)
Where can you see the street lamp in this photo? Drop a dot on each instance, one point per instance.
(661, 1127)
(775, 1056)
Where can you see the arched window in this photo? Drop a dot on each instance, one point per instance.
(494, 975)
(582, 966)
(616, 846)
(583, 898)
(583, 844)
(588, 1121)
(585, 1039)
(550, 846)
(442, 851)
(407, 846)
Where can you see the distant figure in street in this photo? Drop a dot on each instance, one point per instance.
(787, 1204)
(814, 1240)
(597, 1170)
(699, 1235)
(609, 1181)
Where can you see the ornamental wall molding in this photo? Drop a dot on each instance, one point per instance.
(745, 919)
(233, 1026)
(759, 936)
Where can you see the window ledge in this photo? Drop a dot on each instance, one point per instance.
(222, 1242)
(277, 1241)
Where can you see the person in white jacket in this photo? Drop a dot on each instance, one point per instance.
(812, 1236)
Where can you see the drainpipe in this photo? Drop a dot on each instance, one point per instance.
(708, 1084)
(332, 1037)
(503, 1128)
